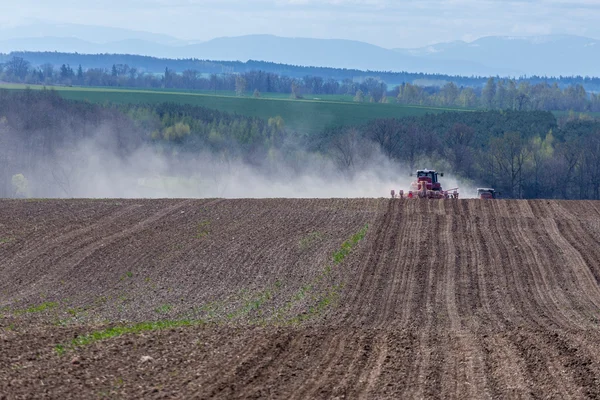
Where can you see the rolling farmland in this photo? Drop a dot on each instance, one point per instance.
(355, 298)
(304, 115)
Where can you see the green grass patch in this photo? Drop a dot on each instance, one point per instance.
(77, 311)
(6, 240)
(203, 229)
(330, 299)
(164, 309)
(347, 246)
(46, 306)
(307, 115)
(116, 331)
(128, 274)
(252, 304)
(59, 349)
(210, 310)
(572, 114)
(322, 291)
(309, 240)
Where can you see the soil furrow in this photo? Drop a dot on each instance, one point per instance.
(440, 299)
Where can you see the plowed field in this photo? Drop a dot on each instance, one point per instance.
(346, 298)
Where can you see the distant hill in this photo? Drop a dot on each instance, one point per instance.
(334, 53)
(552, 55)
(490, 56)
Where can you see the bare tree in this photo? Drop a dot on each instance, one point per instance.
(349, 151)
(240, 85)
(214, 81)
(488, 93)
(18, 67)
(569, 154)
(450, 93)
(412, 138)
(387, 134)
(458, 151)
(359, 97)
(591, 164)
(510, 154)
(295, 91)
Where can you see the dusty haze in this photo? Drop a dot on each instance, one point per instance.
(88, 170)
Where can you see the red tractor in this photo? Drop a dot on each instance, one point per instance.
(427, 186)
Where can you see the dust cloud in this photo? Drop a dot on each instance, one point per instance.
(89, 170)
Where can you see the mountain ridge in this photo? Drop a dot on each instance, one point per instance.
(550, 55)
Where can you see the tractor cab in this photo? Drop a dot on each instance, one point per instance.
(426, 186)
(486, 193)
(430, 177)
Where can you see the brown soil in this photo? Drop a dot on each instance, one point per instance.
(441, 299)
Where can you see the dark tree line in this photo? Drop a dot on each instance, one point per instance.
(522, 154)
(20, 70)
(154, 65)
(495, 94)
(502, 94)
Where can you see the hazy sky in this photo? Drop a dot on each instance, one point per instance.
(388, 23)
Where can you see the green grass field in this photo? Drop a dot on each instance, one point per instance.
(306, 115)
(559, 114)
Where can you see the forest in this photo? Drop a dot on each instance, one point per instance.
(523, 154)
(154, 65)
(493, 93)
